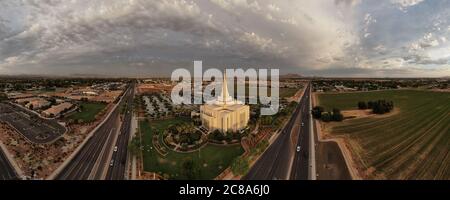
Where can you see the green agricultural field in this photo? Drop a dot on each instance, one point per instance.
(412, 144)
(283, 92)
(210, 161)
(288, 92)
(88, 111)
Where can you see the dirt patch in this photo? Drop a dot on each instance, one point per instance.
(356, 114)
(441, 90)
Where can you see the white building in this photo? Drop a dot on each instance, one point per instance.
(225, 114)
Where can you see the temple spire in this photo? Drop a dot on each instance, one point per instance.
(225, 88)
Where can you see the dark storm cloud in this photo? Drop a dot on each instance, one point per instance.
(142, 37)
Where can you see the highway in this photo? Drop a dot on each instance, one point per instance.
(281, 161)
(90, 161)
(300, 165)
(7, 172)
(119, 157)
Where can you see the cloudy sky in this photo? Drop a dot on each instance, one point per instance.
(361, 38)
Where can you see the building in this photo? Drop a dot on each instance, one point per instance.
(90, 93)
(19, 95)
(33, 102)
(56, 111)
(225, 114)
(37, 104)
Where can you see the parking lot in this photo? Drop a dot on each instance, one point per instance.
(30, 125)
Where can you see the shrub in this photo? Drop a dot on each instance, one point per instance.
(370, 105)
(382, 106)
(362, 105)
(325, 117)
(317, 112)
(337, 116)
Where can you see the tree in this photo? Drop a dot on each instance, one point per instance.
(133, 146)
(184, 139)
(52, 101)
(195, 136)
(229, 136)
(362, 105)
(382, 106)
(317, 112)
(337, 116)
(325, 117)
(370, 105)
(266, 120)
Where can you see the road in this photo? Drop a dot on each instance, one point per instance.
(7, 172)
(119, 157)
(281, 160)
(300, 165)
(90, 160)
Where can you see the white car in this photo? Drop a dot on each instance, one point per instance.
(303, 124)
(115, 148)
(298, 148)
(111, 163)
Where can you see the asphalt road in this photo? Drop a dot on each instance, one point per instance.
(119, 157)
(300, 166)
(91, 156)
(275, 163)
(7, 172)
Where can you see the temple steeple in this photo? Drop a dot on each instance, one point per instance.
(224, 98)
(224, 88)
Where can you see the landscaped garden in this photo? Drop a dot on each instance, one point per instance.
(205, 162)
(184, 137)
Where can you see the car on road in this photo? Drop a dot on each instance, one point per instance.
(111, 163)
(303, 124)
(298, 148)
(115, 148)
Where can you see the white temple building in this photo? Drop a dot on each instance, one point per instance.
(225, 113)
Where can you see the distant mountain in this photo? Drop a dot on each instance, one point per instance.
(291, 76)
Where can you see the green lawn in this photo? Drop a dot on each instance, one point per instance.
(88, 112)
(413, 144)
(211, 160)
